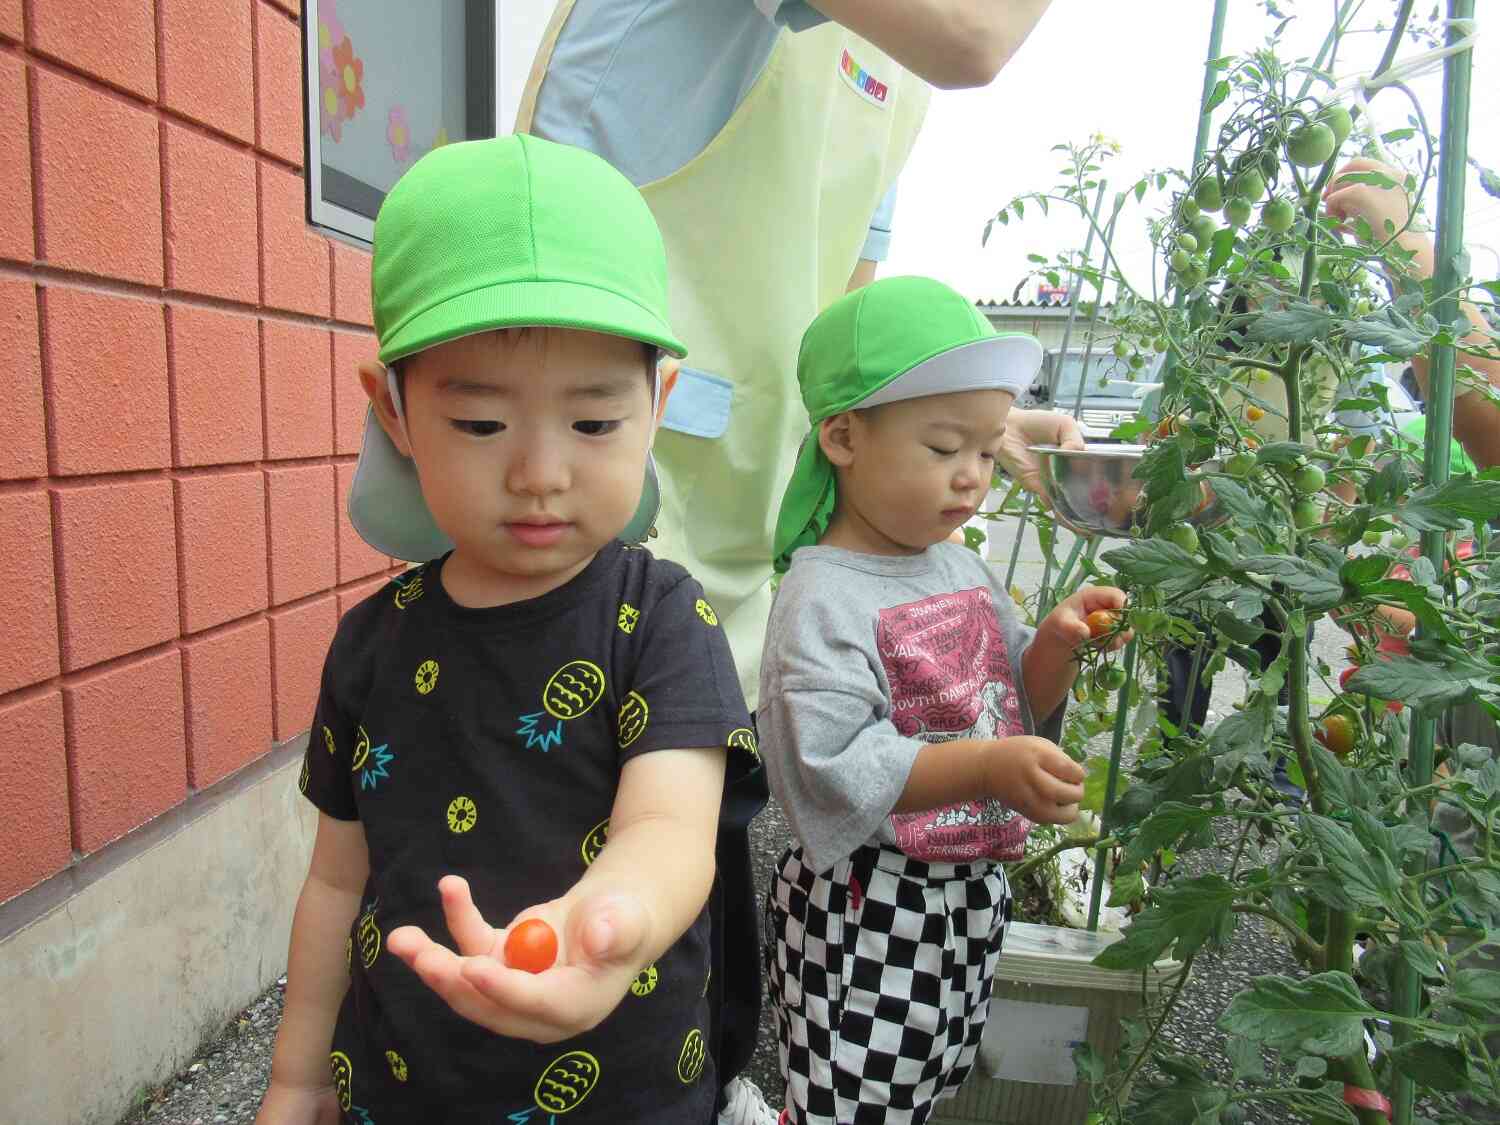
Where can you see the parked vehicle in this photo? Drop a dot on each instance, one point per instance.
(1112, 391)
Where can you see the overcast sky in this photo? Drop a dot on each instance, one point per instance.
(1132, 70)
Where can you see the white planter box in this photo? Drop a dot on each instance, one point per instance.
(1046, 997)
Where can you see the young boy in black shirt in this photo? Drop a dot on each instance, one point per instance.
(534, 725)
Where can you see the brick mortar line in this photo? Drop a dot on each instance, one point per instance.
(91, 672)
(84, 870)
(70, 482)
(39, 273)
(32, 57)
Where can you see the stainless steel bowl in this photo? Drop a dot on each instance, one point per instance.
(1093, 492)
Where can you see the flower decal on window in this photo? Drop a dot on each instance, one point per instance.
(398, 134)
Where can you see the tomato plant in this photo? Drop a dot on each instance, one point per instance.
(531, 946)
(1277, 323)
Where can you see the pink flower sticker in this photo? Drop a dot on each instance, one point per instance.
(398, 133)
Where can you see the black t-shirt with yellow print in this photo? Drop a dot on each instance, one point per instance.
(488, 743)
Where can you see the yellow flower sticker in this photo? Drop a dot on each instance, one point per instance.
(462, 815)
(398, 1065)
(690, 1060)
(566, 1082)
(427, 676)
(706, 612)
(634, 714)
(629, 615)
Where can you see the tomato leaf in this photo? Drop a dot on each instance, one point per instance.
(1158, 563)
(1369, 878)
(1185, 913)
(1438, 1066)
(1300, 322)
(1319, 586)
(1220, 92)
(1447, 506)
(1322, 1015)
(1419, 683)
(1223, 246)
(1164, 827)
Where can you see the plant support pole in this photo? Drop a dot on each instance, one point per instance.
(1452, 162)
(1111, 780)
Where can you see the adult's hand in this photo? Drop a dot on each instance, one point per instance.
(1035, 427)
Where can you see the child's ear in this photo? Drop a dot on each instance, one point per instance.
(836, 437)
(372, 377)
(667, 370)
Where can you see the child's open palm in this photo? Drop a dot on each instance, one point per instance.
(598, 939)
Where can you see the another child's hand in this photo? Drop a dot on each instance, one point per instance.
(1033, 776)
(1067, 626)
(598, 943)
(1376, 205)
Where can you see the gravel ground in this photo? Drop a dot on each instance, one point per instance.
(226, 1080)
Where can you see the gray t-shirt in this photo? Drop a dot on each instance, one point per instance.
(868, 657)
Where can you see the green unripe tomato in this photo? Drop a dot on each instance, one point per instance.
(1179, 260)
(1159, 344)
(1203, 229)
(1305, 515)
(1237, 212)
(1310, 146)
(1209, 196)
(1185, 535)
(1188, 209)
(1337, 118)
(1109, 677)
(1308, 480)
(1240, 464)
(1278, 216)
(1398, 540)
(1192, 277)
(1363, 307)
(1122, 349)
(1248, 184)
(1137, 361)
(1371, 538)
(1187, 242)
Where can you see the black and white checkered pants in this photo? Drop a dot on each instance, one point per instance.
(880, 976)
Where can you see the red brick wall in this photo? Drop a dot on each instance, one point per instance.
(177, 363)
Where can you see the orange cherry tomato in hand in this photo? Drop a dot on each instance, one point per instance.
(1101, 623)
(531, 946)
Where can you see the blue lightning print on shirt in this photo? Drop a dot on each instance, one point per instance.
(375, 772)
(535, 736)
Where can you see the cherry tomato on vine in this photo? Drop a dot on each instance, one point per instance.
(1187, 242)
(1240, 464)
(1398, 540)
(1371, 538)
(531, 946)
(1122, 349)
(1237, 212)
(1337, 118)
(1310, 146)
(1309, 480)
(1249, 185)
(1203, 229)
(1209, 196)
(1306, 515)
(1254, 413)
(1337, 733)
(1102, 622)
(1278, 215)
(1109, 677)
(1188, 209)
(1180, 261)
(1185, 535)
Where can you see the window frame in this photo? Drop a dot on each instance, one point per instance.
(483, 106)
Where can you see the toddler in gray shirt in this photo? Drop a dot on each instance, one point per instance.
(902, 708)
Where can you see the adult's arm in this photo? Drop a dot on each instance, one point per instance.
(954, 44)
(1476, 420)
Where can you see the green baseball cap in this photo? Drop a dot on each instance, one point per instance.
(502, 233)
(897, 338)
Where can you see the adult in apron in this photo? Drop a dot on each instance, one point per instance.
(784, 193)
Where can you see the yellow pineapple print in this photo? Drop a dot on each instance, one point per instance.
(343, 1078)
(634, 714)
(594, 842)
(566, 1082)
(571, 692)
(690, 1060)
(744, 739)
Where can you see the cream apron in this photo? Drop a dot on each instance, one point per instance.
(762, 231)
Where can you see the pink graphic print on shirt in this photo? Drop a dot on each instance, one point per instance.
(951, 677)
